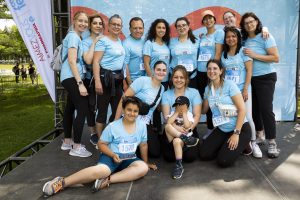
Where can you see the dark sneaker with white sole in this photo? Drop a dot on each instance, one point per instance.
(94, 139)
(189, 141)
(177, 172)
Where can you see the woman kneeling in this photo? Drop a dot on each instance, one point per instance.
(118, 144)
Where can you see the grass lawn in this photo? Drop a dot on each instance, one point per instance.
(26, 113)
(6, 66)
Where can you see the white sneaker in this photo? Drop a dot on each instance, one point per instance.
(260, 140)
(273, 151)
(256, 150)
(65, 146)
(80, 152)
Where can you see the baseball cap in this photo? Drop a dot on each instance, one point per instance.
(181, 100)
(207, 12)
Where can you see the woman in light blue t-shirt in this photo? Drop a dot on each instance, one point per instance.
(231, 133)
(71, 76)
(263, 52)
(118, 162)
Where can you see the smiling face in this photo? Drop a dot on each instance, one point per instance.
(229, 20)
(179, 80)
(214, 72)
(96, 26)
(137, 29)
(131, 111)
(231, 39)
(160, 71)
(250, 24)
(208, 21)
(182, 28)
(80, 23)
(115, 26)
(160, 30)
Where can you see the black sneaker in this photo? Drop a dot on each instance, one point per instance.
(248, 150)
(189, 141)
(177, 172)
(94, 139)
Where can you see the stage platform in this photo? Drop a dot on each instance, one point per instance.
(248, 179)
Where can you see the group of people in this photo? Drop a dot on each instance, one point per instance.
(23, 72)
(224, 73)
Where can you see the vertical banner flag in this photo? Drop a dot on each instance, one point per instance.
(33, 19)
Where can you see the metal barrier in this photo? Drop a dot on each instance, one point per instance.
(24, 154)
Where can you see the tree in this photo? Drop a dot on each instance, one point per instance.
(4, 12)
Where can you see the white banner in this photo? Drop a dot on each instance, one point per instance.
(33, 19)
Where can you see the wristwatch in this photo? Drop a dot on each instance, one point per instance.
(79, 83)
(237, 132)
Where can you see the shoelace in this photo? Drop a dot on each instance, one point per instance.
(58, 185)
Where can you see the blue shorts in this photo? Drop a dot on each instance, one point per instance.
(115, 167)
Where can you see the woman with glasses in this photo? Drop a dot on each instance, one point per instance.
(264, 53)
(71, 76)
(238, 68)
(108, 63)
(96, 28)
(210, 48)
(184, 49)
(231, 133)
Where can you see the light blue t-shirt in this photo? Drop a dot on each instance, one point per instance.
(157, 52)
(184, 53)
(72, 40)
(168, 98)
(222, 96)
(134, 56)
(144, 90)
(114, 53)
(235, 68)
(260, 45)
(207, 48)
(121, 142)
(87, 43)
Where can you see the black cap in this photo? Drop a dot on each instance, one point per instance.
(181, 100)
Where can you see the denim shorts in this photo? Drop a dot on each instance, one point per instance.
(115, 167)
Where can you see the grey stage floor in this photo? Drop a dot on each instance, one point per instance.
(250, 178)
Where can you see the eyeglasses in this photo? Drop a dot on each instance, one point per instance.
(181, 26)
(116, 25)
(249, 22)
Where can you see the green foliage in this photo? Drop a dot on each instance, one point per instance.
(12, 44)
(4, 11)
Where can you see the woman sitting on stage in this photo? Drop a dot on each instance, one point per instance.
(118, 162)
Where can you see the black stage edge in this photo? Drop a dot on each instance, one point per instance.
(250, 178)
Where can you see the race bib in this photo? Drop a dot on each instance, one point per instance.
(217, 117)
(204, 57)
(163, 57)
(188, 64)
(142, 66)
(233, 74)
(206, 44)
(125, 148)
(183, 52)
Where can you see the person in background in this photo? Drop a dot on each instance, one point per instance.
(263, 52)
(231, 133)
(71, 76)
(96, 28)
(118, 162)
(31, 72)
(108, 61)
(174, 148)
(23, 73)
(211, 45)
(16, 71)
(133, 46)
(184, 49)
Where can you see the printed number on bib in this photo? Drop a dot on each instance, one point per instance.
(127, 148)
(233, 74)
(217, 117)
(204, 57)
(188, 64)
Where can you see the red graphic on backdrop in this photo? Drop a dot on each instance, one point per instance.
(193, 17)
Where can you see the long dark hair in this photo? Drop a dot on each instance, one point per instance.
(92, 17)
(242, 25)
(239, 40)
(191, 36)
(152, 31)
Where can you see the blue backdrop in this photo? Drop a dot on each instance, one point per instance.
(280, 16)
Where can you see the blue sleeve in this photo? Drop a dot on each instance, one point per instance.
(100, 45)
(137, 85)
(107, 134)
(165, 98)
(244, 57)
(127, 53)
(86, 45)
(220, 34)
(196, 98)
(147, 50)
(270, 42)
(143, 132)
(233, 89)
(73, 41)
(205, 96)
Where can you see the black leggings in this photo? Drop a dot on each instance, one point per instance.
(91, 102)
(202, 83)
(263, 88)
(189, 154)
(216, 146)
(74, 102)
